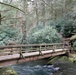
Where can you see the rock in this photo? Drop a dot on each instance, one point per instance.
(61, 59)
(7, 71)
(57, 68)
(73, 57)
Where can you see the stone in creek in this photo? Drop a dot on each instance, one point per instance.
(52, 67)
(56, 69)
(7, 71)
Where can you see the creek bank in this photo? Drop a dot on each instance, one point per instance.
(63, 59)
(7, 71)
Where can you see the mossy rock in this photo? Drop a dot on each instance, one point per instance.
(7, 71)
(59, 59)
(71, 59)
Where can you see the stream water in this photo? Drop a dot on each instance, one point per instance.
(40, 68)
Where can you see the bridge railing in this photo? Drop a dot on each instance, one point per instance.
(17, 49)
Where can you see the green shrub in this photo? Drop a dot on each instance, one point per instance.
(67, 26)
(46, 34)
(8, 33)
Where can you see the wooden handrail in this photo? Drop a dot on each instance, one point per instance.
(28, 45)
(15, 49)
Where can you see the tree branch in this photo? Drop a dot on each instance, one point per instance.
(46, 3)
(12, 6)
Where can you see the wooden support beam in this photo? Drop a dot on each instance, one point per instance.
(27, 58)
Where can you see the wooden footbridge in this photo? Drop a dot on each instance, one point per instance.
(12, 54)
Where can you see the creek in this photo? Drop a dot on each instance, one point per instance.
(40, 67)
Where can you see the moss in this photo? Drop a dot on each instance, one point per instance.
(53, 59)
(60, 59)
(7, 71)
(71, 59)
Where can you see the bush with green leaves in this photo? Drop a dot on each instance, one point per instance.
(8, 34)
(38, 35)
(69, 28)
(66, 26)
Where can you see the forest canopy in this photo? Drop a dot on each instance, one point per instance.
(36, 21)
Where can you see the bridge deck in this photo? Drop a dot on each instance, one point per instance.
(15, 56)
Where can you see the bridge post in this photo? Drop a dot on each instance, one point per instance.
(53, 48)
(11, 52)
(45, 47)
(40, 53)
(20, 52)
(63, 46)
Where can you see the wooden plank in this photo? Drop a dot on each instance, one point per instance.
(8, 57)
(16, 61)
